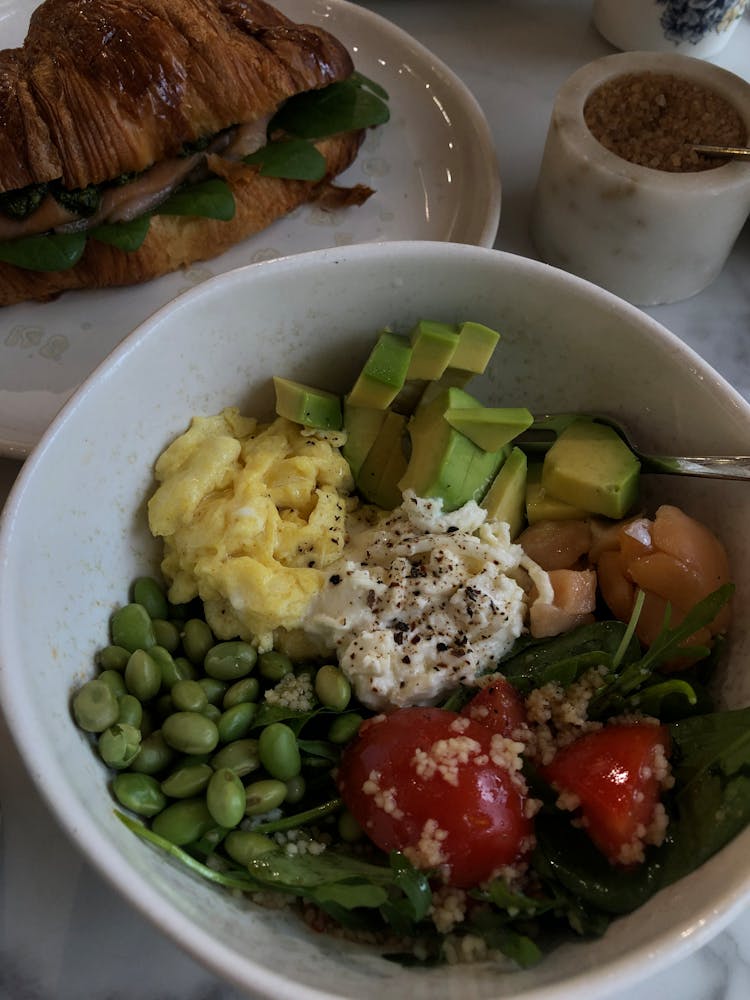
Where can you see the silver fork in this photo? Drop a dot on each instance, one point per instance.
(543, 432)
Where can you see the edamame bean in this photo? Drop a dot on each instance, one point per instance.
(228, 661)
(142, 675)
(112, 658)
(278, 751)
(148, 592)
(95, 707)
(263, 796)
(187, 780)
(295, 789)
(131, 628)
(154, 756)
(212, 712)
(119, 745)
(332, 688)
(237, 721)
(241, 756)
(197, 639)
(190, 732)
(131, 711)
(246, 689)
(183, 821)
(349, 829)
(273, 666)
(344, 727)
(188, 671)
(244, 846)
(189, 696)
(170, 670)
(139, 792)
(225, 798)
(215, 689)
(167, 634)
(113, 680)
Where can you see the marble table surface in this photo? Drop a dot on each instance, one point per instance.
(64, 933)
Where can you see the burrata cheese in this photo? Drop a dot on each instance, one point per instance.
(422, 601)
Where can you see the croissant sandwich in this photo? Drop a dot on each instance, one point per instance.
(139, 136)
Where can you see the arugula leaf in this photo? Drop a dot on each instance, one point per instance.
(211, 199)
(339, 107)
(667, 645)
(566, 657)
(668, 699)
(364, 81)
(46, 252)
(711, 804)
(300, 818)
(278, 713)
(320, 748)
(126, 236)
(413, 883)
(292, 159)
(518, 947)
(512, 902)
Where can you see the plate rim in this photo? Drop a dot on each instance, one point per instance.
(14, 444)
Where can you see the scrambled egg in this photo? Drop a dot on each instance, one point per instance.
(251, 515)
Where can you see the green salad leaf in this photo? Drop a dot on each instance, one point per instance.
(46, 252)
(339, 107)
(292, 159)
(126, 236)
(210, 199)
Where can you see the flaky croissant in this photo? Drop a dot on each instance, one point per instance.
(106, 88)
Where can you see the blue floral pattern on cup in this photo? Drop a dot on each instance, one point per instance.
(691, 20)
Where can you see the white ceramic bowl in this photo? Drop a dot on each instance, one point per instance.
(74, 536)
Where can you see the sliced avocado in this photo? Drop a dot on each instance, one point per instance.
(490, 427)
(385, 464)
(541, 506)
(444, 463)
(506, 498)
(474, 349)
(362, 425)
(432, 347)
(590, 466)
(383, 373)
(306, 405)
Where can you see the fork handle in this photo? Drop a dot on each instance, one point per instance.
(708, 466)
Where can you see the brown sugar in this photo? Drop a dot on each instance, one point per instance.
(654, 118)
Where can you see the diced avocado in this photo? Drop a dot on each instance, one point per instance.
(306, 405)
(490, 427)
(432, 347)
(362, 425)
(505, 500)
(383, 373)
(590, 466)
(474, 349)
(385, 464)
(444, 463)
(541, 506)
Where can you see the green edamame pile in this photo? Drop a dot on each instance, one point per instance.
(209, 739)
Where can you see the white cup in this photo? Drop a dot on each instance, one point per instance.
(693, 27)
(650, 236)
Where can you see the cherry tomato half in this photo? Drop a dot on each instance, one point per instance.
(423, 781)
(497, 706)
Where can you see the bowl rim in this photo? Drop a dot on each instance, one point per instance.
(681, 938)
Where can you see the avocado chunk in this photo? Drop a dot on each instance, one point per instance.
(505, 500)
(383, 373)
(541, 506)
(306, 405)
(432, 347)
(385, 464)
(591, 467)
(476, 344)
(362, 425)
(444, 463)
(490, 427)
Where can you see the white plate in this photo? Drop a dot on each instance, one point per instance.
(433, 169)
